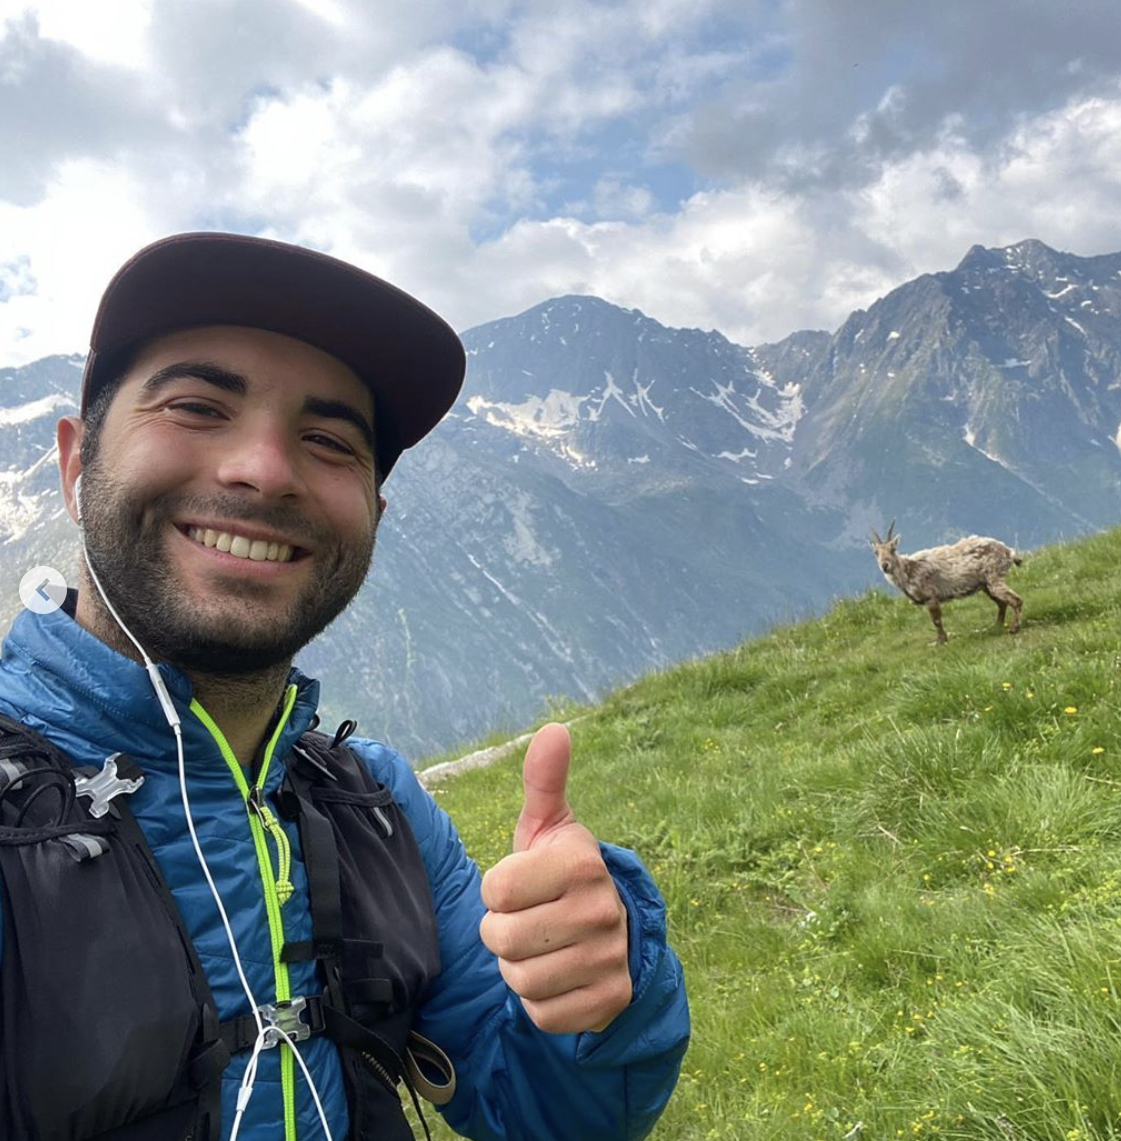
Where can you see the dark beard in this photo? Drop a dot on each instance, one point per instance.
(126, 545)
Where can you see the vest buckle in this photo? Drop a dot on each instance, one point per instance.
(102, 786)
(288, 1018)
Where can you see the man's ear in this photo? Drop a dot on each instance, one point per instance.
(69, 438)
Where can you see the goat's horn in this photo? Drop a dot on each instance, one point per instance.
(889, 530)
(875, 536)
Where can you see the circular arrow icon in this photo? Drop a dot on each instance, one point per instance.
(42, 590)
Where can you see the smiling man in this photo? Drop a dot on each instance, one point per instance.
(216, 920)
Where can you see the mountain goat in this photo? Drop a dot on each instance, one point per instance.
(929, 578)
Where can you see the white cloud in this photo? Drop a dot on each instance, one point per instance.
(1053, 178)
(330, 11)
(746, 262)
(108, 31)
(67, 245)
(435, 144)
(758, 263)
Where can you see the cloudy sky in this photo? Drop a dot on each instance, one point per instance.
(753, 166)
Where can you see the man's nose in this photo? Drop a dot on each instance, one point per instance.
(263, 459)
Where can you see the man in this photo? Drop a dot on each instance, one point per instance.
(222, 923)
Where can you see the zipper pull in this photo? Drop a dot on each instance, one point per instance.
(256, 804)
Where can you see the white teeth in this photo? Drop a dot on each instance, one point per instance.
(257, 550)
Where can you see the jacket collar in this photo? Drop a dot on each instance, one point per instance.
(88, 699)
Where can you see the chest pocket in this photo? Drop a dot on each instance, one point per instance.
(373, 922)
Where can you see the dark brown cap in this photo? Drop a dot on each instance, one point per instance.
(411, 359)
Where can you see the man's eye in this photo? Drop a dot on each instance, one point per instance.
(331, 442)
(195, 408)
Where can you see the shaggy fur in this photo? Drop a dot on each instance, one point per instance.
(929, 578)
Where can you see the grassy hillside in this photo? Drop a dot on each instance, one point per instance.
(893, 871)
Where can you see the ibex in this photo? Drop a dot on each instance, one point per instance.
(929, 578)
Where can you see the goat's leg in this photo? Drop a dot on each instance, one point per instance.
(1003, 596)
(936, 617)
(1001, 604)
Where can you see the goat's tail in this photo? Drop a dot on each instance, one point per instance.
(1017, 558)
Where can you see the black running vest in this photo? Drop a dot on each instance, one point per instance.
(108, 1029)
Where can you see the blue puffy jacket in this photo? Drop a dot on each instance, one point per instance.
(514, 1081)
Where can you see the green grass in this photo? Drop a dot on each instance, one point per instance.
(893, 870)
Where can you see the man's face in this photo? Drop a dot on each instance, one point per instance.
(230, 509)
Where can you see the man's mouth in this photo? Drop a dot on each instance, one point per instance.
(230, 543)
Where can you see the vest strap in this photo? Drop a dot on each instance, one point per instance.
(321, 864)
(345, 1031)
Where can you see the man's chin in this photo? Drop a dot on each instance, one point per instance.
(226, 659)
(218, 646)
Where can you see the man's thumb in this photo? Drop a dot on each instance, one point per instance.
(544, 779)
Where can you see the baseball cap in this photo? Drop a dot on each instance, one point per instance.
(410, 358)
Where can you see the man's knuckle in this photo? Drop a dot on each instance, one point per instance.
(620, 994)
(620, 952)
(611, 968)
(497, 888)
(488, 931)
(504, 942)
(523, 981)
(603, 912)
(512, 975)
(486, 889)
(586, 865)
(550, 1017)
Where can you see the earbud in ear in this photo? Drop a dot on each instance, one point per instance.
(78, 498)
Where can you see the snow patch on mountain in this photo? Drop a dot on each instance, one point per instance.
(522, 543)
(545, 419)
(611, 391)
(22, 510)
(34, 409)
(642, 399)
(753, 416)
(970, 437)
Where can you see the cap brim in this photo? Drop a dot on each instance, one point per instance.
(410, 358)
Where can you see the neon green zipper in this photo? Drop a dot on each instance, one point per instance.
(277, 888)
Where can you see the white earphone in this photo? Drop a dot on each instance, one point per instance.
(245, 1091)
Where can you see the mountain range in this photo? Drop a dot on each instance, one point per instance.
(610, 495)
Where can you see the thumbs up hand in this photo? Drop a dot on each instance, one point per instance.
(554, 918)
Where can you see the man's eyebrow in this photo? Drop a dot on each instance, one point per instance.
(236, 383)
(340, 410)
(221, 378)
